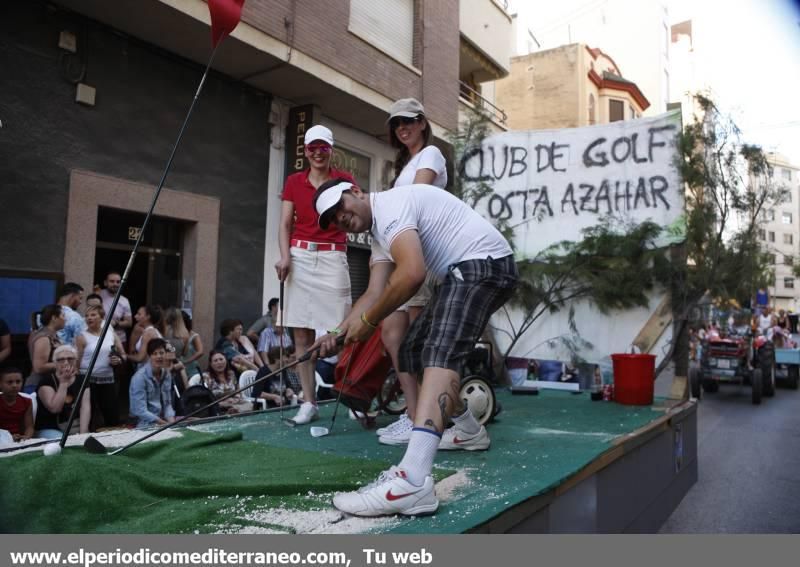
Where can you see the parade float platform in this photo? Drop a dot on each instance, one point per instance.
(558, 463)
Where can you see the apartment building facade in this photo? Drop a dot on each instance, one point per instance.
(93, 99)
(780, 233)
(567, 87)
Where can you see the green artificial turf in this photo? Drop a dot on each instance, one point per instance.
(198, 482)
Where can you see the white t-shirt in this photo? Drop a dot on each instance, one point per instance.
(449, 230)
(429, 158)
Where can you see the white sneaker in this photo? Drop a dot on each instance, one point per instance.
(307, 413)
(454, 440)
(398, 435)
(390, 494)
(400, 423)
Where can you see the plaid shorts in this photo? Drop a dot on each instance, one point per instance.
(452, 322)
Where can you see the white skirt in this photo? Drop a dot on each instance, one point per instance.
(317, 291)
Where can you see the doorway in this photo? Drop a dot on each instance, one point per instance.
(155, 277)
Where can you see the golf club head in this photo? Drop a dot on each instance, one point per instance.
(319, 431)
(289, 422)
(92, 445)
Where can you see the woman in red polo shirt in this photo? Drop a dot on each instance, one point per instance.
(313, 261)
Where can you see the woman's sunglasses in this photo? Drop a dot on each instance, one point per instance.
(321, 148)
(404, 120)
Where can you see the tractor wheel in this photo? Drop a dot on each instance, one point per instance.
(695, 377)
(768, 375)
(756, 386)
(478, 394)
(794, 376)
(766, 359)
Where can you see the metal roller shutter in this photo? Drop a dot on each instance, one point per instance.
(358, 261)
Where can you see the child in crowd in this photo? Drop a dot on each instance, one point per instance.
(16, 412)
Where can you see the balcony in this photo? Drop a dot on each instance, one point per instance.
(486, 40)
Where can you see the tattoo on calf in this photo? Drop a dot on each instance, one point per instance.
(429, 423)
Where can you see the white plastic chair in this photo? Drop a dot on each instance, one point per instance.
(34, 403)
(247, 378)
(320, 383)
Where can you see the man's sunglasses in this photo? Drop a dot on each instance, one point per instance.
(321, 148)
(404, 120)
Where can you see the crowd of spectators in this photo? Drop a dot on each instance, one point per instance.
(141, 369)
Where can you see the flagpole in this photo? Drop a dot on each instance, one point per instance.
(107, 322)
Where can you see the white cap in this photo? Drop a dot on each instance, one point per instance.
(328, 199)
(319, 133)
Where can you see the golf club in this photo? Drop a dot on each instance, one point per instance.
(319, 431)
(124, 279)
(92, 445)
(284, 420)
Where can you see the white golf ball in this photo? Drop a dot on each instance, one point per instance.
(52, 449)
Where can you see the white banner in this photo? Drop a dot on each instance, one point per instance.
(550, 184)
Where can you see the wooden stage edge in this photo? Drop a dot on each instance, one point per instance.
(633, 487)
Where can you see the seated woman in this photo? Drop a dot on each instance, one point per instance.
(57, 394)
(221, 380)
(42, 343)
(230, 331)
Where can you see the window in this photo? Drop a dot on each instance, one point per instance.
(788, 239)
(388, 25)
(769, 215)
(762, 234)
(786, 218)
(786, 196)
(771, 236)
(772, 258)
(591, 109)
(788, 283)
(788, 260)
(616, 110)
(787, 174)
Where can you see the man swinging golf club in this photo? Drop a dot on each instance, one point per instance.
(418, 228)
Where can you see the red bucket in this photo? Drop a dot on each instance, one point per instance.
(634, 378)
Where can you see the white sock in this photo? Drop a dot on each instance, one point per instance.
(467, 423)
(421, 451)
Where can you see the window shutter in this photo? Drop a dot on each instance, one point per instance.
(388, 25)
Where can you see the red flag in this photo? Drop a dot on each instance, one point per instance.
(225, 15)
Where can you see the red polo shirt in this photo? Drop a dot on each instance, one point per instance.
(299, 191)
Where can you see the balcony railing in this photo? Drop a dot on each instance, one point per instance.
(473, 97)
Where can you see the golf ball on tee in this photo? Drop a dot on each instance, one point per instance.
(52, 449)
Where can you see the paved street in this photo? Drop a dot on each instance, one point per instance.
(749, 466)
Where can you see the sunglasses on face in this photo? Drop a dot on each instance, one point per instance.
(65, 360)
(321, 148)
(397, 121)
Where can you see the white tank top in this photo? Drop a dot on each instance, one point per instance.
(102, 366)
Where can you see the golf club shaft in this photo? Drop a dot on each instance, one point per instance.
(307, 356)
(339, 397)
(280, 341)
(107, 323)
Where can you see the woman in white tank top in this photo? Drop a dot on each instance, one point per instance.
(101, 383)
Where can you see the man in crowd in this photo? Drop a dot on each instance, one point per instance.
(419, 228)
(122, 318)
(151, 388)
(268, 320)
(70, 299)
